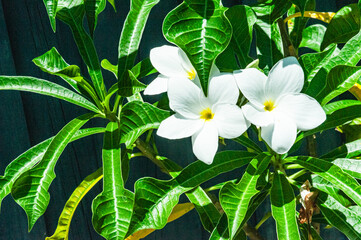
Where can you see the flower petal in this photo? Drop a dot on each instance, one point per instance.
(157, 86)
(167, 61)
(285, 77)
(304, 110)
(252, 83)
(230, 121)
(176, 127)
(205, 142)
(223, 89)
(281, 135)
(214, 71)
(185, 97)
(257, 116)
(187, 65)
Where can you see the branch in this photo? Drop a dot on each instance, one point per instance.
(288, 48)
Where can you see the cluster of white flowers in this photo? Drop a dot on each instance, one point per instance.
(275, 104)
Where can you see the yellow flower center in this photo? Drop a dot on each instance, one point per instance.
(207, 114)
(269, 105)
(192, 74)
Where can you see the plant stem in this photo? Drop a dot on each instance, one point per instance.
(288, 48)
(293, 166)
(297, 174)
(252, 232)
(264, 219)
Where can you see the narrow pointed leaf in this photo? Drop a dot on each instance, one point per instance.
(339, 80)
(155, 199)
(235, 198)
(40, 86)
(329, 188)
(92, 9)
(53, 63)
(178, 211)
(133, 86)
(248, 143)
(301, 4)
(200, 28)
(31, 157)
(138, 117)
(350, 166)
(221, 231)
(348, 150)
(112, 208)
(283, 204)
(62, 230)
(30, 190)
(343, 26)
(333, 174)
(130, 39)
(140, 70)
(344, 219)
(72, 13)
(51, 6)
(242, 20)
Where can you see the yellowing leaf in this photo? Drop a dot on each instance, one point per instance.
(356, 91)
(62, 230)
(178, 211)
(322, 16)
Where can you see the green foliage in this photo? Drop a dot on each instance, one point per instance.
(343, 26)
(40, 86)
(312, 37)
(201, 29)
(51, 6)
(235, 198)
(112, 209)
(137, 117)
(92, 9)
(283, 203)
(152, 194)
(30, 190)
(129, 42)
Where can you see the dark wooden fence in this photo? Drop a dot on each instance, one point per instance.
(27, 119)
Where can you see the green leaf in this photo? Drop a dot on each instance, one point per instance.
(339, 80)
(72, 13)
(350, 166)
(200, 28)
(130, 37)
(226, 61)
(140, 70)
(283, 204)
(344, 219)
(314, 65)
(31, 157)
(112, 208)
(242, 20)
(62, 230)
(92, 9)
(301, 4)
(207, 211)
(155, 199)
(235, 198)
(51, 6)
(137, 117)
(300, 22)
(333, 174)
(40, 86)
(30, 190)
(348, 150)
(248, 143)
(312, 37)
(132, 87)
(268, 38)
(221, 232)
(327, 187)
(52, 62)
(343, 26)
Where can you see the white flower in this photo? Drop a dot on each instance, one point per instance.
(171, 62)
(204, 118)
(276, 104)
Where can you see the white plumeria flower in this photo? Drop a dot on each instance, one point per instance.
(204, 118)
(276, 104)
(172, 62)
